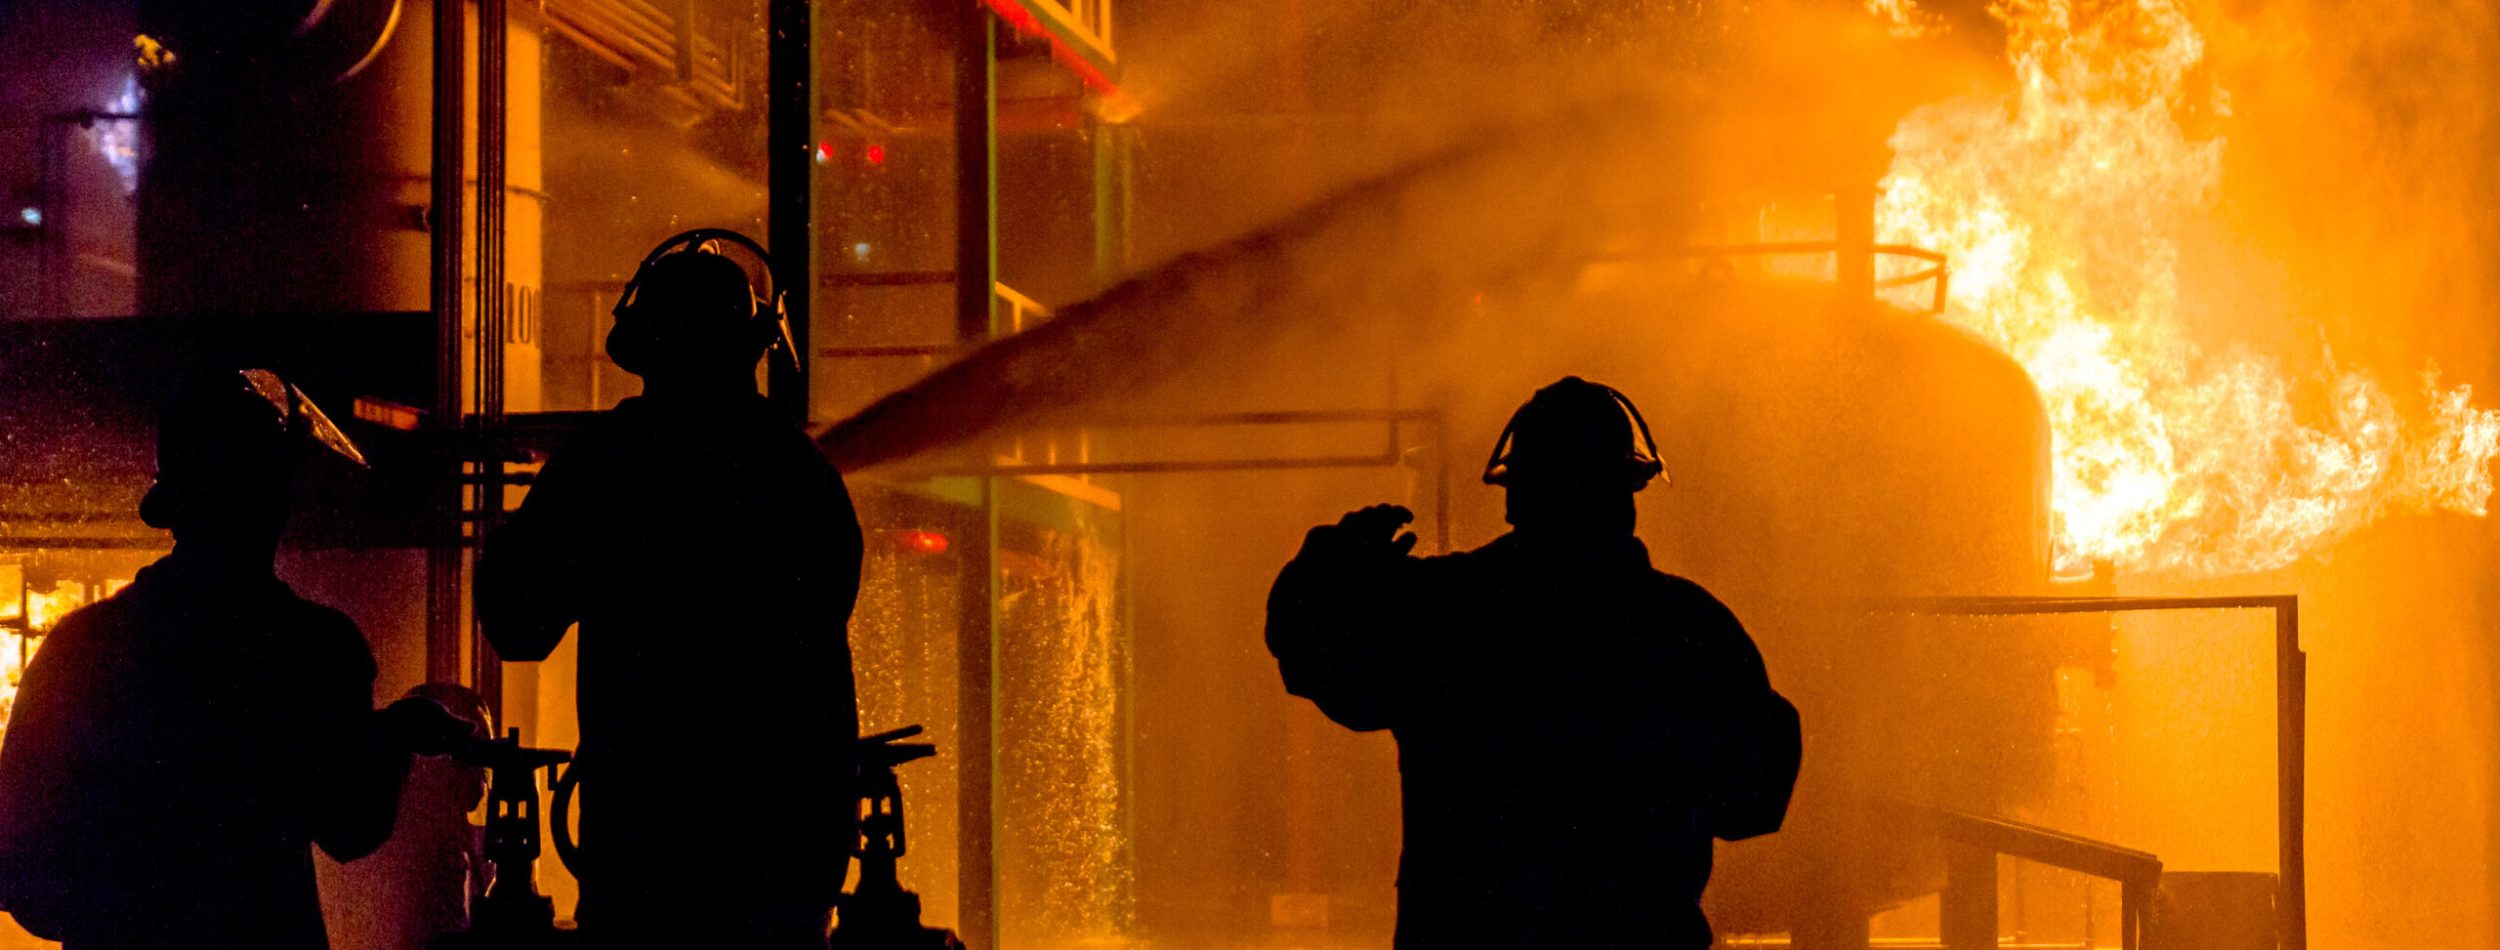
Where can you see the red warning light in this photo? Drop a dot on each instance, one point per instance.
(922, 542)
(876, 154)
(824, 152)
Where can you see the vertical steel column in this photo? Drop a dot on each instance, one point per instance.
(493, 306)
(2136, 900)
(2291, 741)
(1112, 204)
(443, 552)
(976, 271)
(1853, 214)
(1967, 910)
(51, 202)
(976, 176)
(976, 729)
(790, 107)
(1113, 201)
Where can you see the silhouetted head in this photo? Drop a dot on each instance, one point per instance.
(1571, 459)
(227, 450)
(693, 318)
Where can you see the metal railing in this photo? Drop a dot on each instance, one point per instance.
(2291, 692)
(1718, 256)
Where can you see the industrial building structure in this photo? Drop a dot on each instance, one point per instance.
(1090, 374)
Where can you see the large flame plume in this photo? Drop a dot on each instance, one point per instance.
(2064, 205)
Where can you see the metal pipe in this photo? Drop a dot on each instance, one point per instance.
(493, 308)
(790, 115)
(646, 29)
(976, 273)
(443, 556)
(1771, 248)
(1853, 213)
(1265, 417)
(1156, 467)
(589, 44)
(51, 293)
(1394, 456)
(2291, 749)
(976, 178)
(976, 730)
(685, 41)
(868, 352)
(889, 278)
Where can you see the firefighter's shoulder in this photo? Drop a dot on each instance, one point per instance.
(327, 635)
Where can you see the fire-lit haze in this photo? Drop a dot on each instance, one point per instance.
(2219, 308)
(2062, 205)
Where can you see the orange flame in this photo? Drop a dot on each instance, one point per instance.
(2062, 206)
(14, 648)
(42, 610)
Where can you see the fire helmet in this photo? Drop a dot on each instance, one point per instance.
(227, 434)
(1576, 431)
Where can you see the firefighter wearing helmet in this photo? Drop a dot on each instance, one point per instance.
(710, 556)
(1574, 727)
(178, 749)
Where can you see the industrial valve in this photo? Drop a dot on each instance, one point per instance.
(879, 914)
(513, 914)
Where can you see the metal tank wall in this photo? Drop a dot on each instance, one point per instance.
(1821, 459)
(288, 168)
(1827, 460)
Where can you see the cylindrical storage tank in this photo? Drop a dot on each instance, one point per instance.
(287, 158)
(289, 166)
(1828, 463)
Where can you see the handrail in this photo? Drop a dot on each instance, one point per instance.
(2049, 846)
(2291, 698)
(1393, 452)
(1941, 273)
(1021, 311)
(1967, 910)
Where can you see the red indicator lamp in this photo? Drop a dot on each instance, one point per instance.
(917, 541)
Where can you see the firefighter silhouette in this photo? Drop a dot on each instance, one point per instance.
(1573, 726)
(710, 556)
(178, 748)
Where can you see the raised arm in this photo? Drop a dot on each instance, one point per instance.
(532, 575)
(1333, 617)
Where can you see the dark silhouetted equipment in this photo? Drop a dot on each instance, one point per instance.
(513, 914)
(2217, 910)
(879, 914)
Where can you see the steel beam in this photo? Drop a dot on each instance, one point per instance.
(790, 116)
(443, 557)
(976, 273)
